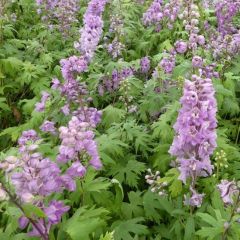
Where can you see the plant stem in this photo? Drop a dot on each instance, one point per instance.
(224, 236)
(13, 199)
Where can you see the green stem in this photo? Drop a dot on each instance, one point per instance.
(14, 201)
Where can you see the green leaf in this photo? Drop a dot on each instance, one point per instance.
(189, 229)
(123, 230)
(85, 222)
(128, 173)
(32, 210)
(152, 206)
(112, 115)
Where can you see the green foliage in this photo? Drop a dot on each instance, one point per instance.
(115, 202)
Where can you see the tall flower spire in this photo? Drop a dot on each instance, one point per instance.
(195, 129)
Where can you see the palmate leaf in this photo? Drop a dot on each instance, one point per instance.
(135, 206)
(107, 236)
(127, 230)
(152, 206)
(128, 173)
(85, 222)
(112, 115)
(216, 225)
(162, 128)
(110, 148)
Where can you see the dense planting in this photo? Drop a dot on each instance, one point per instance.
(120, 119)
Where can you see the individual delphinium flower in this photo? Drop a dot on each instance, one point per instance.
(195, 129)
(225, 11)
(79, 147)
(195, 199)
(156, 185)
(228, 189)
(181, 46)
(92, 29)
(40, 106)
(145, 64)
(48, 126)
(197, 62)
(34, 178)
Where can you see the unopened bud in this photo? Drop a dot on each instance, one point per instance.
(27, 197)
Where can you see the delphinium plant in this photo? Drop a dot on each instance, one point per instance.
(119, 120)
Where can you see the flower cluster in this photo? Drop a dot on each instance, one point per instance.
(40, 106)
(34, 178)
(92, 29)
(113, 83)
(225, 11)
(78, 141)
(154, 180)
(168, 62)
(195, 128)
(115, 46)
(190, 17)
(144, 65)
(48, 126)
(63, 11)
(158, 13)
(224, 46)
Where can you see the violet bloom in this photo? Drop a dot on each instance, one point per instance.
(195, 200)
(54, 211)
(228, 190)
(195, 128)
(77, 139)
(112, 83)
(197, 62)
(154, 13)
(181, 46)
(145, 64)
(66, 14)
(225, 12)
(160, 12)
(201, 40)
(72, 66)
(92, 29)
(48, 126)
(55, 83)
(66, 109)
(40, 106)
(168, 63)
